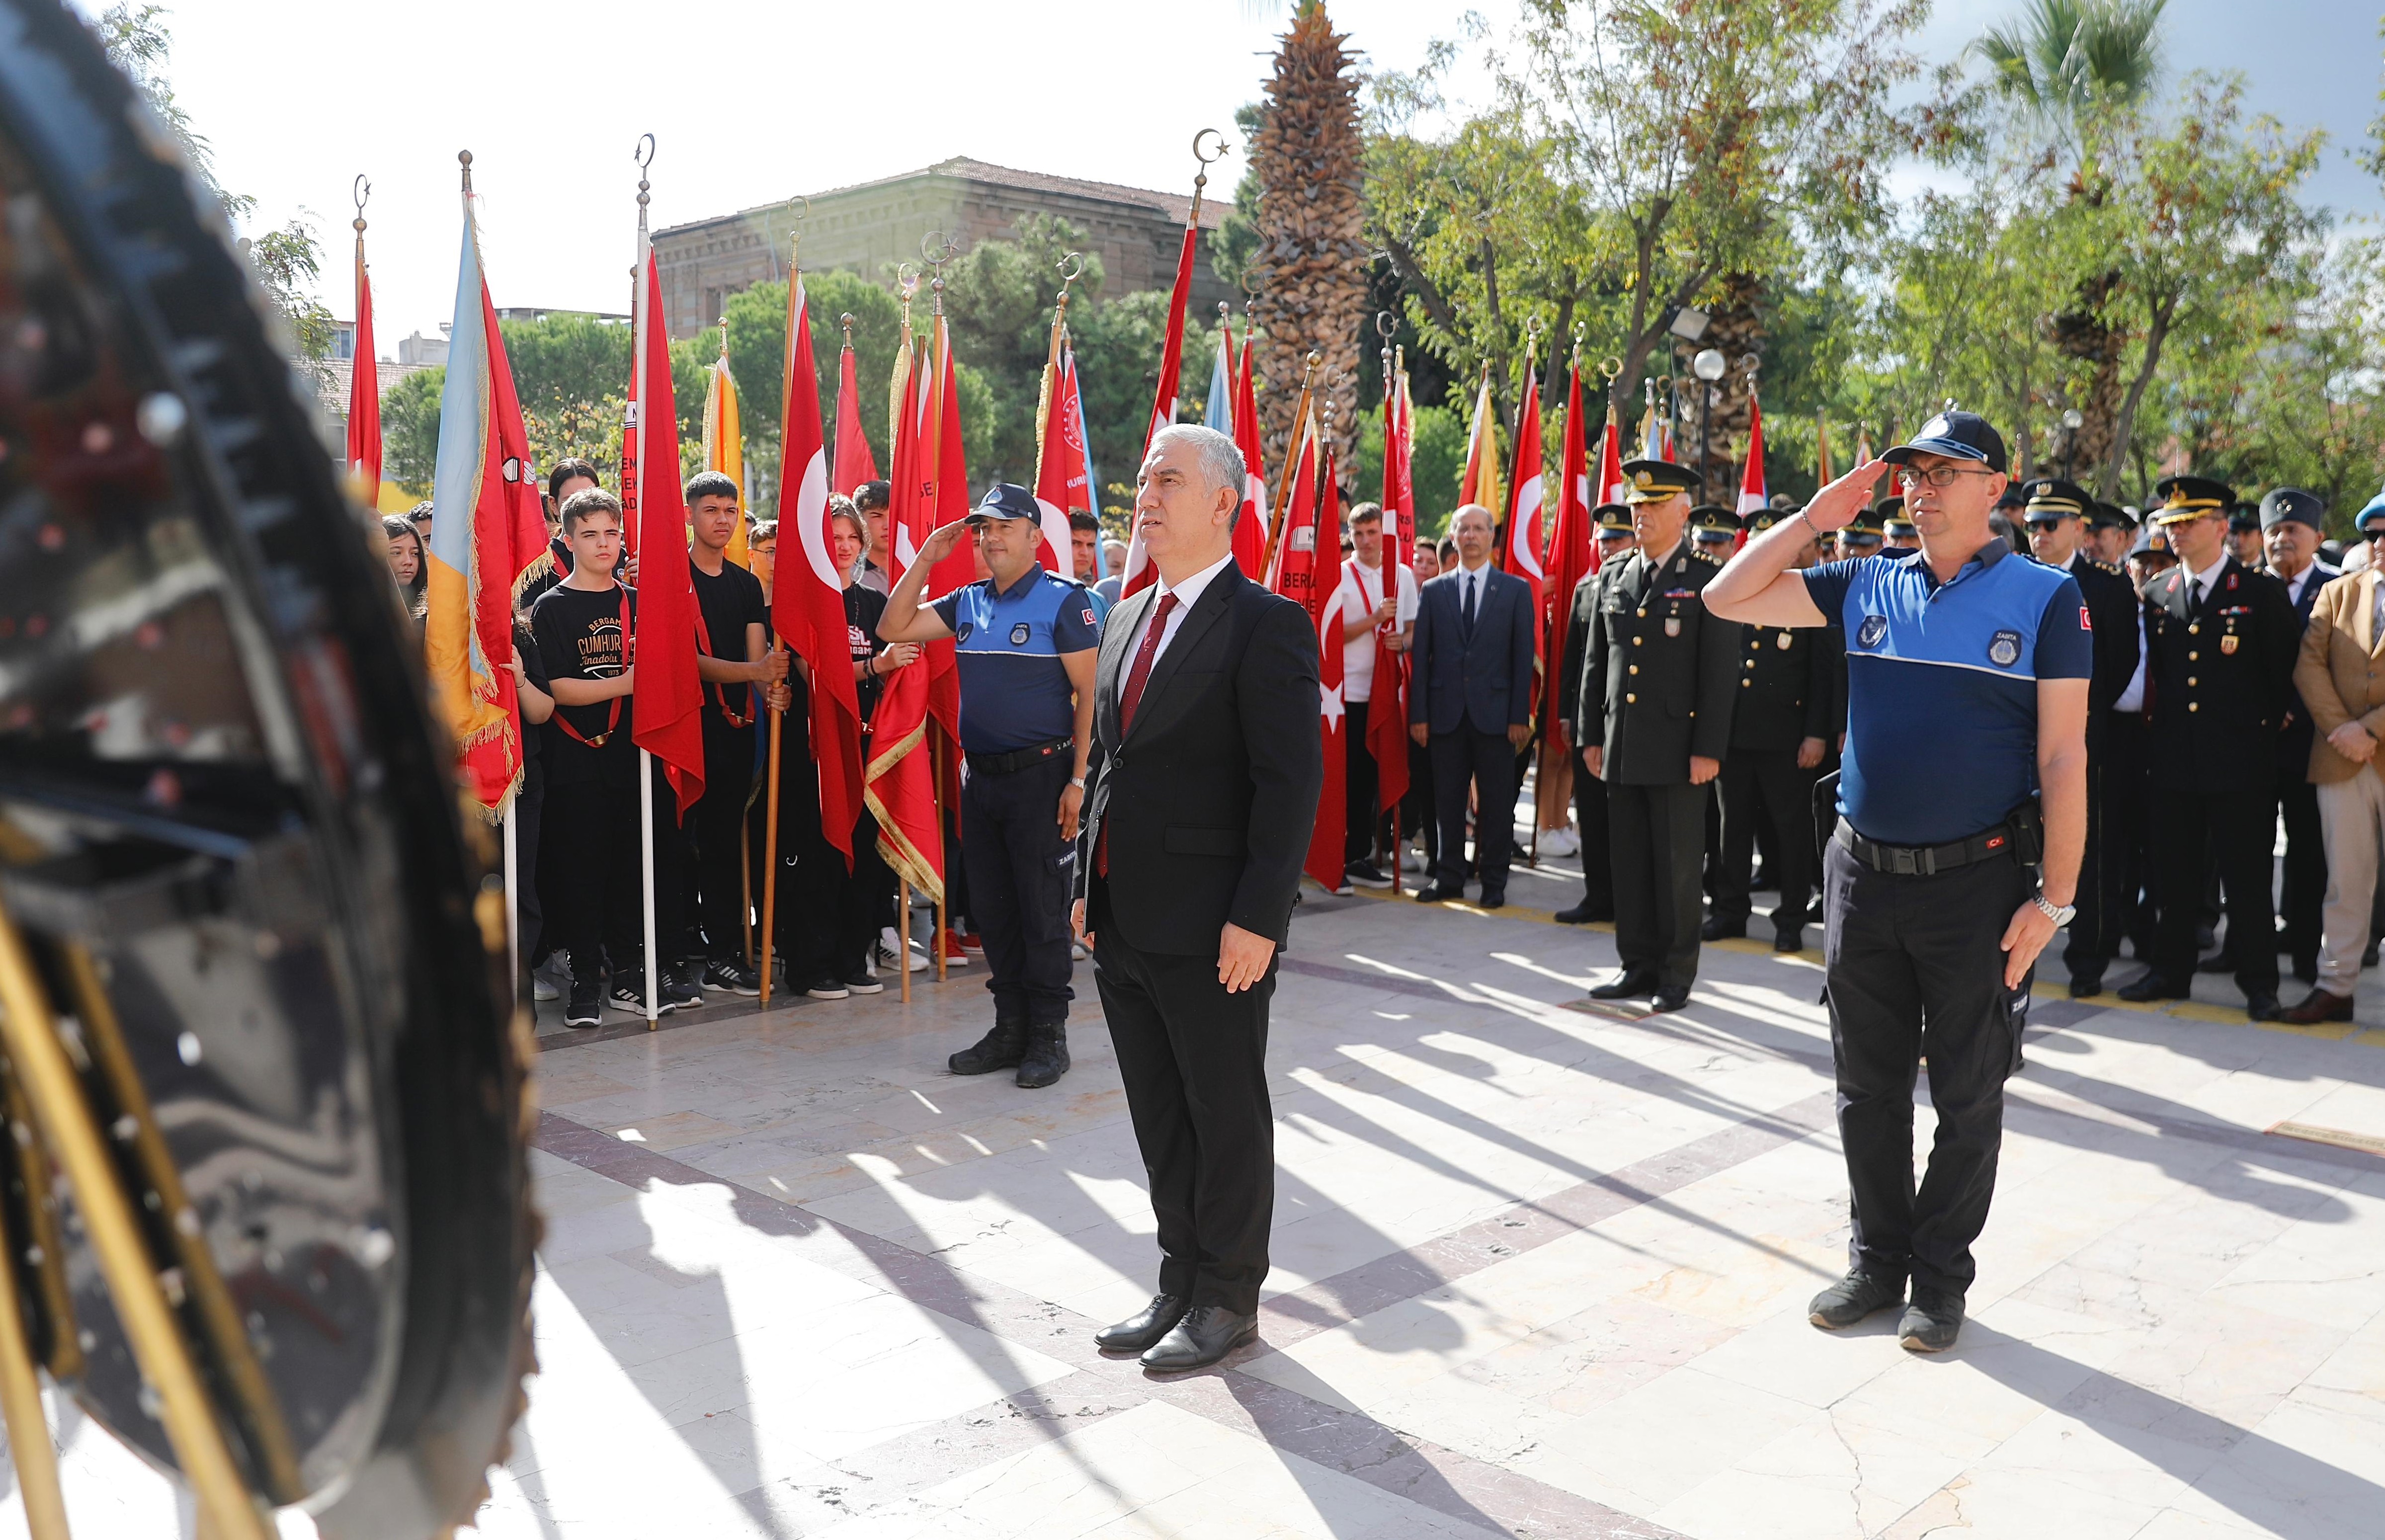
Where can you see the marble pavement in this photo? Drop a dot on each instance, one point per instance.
(1540, 1271)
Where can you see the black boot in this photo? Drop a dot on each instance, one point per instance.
(1047, 1054)
(1000, 1049)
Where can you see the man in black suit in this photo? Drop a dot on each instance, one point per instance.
(1589, 792)
(2222, 642)
(2291, 523)
(1207, 768)
(1659, 682)
(2056, 512)
(1470, 702)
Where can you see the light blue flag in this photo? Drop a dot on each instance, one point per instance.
(1219, 413)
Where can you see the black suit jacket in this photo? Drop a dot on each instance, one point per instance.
(1662, 672)
(2218, 708)
(2111, 601)
(1484, 679)
(1210, 798)
(2294, 743)
(1788, 676)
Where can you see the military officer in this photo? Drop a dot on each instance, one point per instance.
(2054, 512)
(2245, 536)
(1897, 525)
(1863, 537)
(2220, 642)
(1782, 729)
(2110, 532)
(2291, 523)
(1662, 673)
(1614, 521)
(1714, 531)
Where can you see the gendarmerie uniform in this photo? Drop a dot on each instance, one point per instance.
(1665, 673)
(2111, 602)
(1589, 792)
(2220, 648)
(1788, 681)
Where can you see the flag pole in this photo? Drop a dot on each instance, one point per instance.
(1070, 264)
(1283, 488)
(643, 320)
(777, 716)
(1390, 573)
(513, 899)
(943, 918)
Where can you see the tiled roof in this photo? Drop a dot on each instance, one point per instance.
(337, 373)
(1174, 205)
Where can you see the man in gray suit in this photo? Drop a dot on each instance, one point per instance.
(1470, 704)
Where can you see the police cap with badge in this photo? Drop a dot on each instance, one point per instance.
(1005, 500)
(2110, 516)
(1654, 480)
(2049, 500)
(1865, 529)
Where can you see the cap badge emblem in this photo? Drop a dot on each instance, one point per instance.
(1935, 428)
(1644, 479)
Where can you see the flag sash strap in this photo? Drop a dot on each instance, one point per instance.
(719, 691)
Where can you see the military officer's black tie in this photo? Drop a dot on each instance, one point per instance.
(1465, 615)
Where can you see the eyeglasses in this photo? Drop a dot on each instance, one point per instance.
(2374, 533)
(1939, 476)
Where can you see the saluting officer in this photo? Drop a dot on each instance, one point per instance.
(1614, 521)
(2220, 644)
(2055, 511)
(1664, 672)
(1781, 730)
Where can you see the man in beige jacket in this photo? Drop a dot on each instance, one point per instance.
(2340, 676)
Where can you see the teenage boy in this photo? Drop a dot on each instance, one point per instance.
(733, 654)
(583, 627)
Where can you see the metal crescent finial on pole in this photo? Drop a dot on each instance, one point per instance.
(1610, 367)
(1201, 179)
(361, 191)
(845, 320)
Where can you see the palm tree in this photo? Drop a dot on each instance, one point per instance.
(2060, 60)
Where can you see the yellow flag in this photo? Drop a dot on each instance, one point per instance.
(724, 442)
(1480, 482)
(1822, 447)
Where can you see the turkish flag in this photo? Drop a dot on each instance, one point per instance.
(1520, 553)
(1573, 555)
(1062, 484)
(900, 787)
(1387, 713)
(807, 600)
(1250, 530)
(1751, 483)
(1139, 573)
(667, 699)
(855, 463)
(1301, 569)
(364, 394)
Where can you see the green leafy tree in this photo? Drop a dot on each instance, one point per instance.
(409, 431)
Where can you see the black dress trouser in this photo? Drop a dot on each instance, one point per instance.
(841, 911)
(2127, 829)
(2303, 889)
(716, 837)
(1915, 966)
(1361, 782)
(2239, 828)
(1193, 1061)
(1487, 760)
(2092, 936)
(593, 908)
(1597, 848)
(1021, 873)
(1772, 778)
(1657, 836)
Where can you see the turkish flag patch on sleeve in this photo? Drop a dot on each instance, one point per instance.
(2086, 621)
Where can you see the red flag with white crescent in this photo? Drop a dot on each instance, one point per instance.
(1750, 482)
(900, 785)
(807, 595)
(1061, 483)
(1250, 530)
(1573, 553)
(668, 700)
(1387, 713)
(1520, 553)
(855, 463)
(1139, 573)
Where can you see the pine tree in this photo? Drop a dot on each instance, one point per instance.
(1312, 247)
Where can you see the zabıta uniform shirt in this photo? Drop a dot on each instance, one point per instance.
(1015, 690)
(1941, 687)
(729, 604)
(586, 635)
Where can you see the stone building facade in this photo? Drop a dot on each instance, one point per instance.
(871, 226)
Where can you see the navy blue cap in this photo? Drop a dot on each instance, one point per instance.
(1006, 500)
(1958, 436)
(2111, 516)
(2293, 503)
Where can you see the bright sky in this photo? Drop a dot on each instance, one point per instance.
(752, 100)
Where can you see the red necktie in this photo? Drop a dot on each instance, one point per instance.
(1131, 696)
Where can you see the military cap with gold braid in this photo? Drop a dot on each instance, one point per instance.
(2050, 499)
(2190, 497)
(1653, 480)
(1894, 519)
(1612, 518)
(1713, 521)
(1760, 519)
(1867, 521)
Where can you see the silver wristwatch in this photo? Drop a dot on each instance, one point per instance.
(2060, 914)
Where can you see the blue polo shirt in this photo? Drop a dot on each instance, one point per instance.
(1015, 690)
(1941, 687)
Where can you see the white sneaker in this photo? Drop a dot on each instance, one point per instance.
(1559, 842)
(1411, 860)
(885, 951)
(543, 991)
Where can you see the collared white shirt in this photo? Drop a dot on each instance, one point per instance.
(2208, 577)
(2300, 581)
(1361, 591)
(1188, 594)
(1472, 583)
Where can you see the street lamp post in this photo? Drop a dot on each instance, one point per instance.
(1708, 367)
(2071, 424)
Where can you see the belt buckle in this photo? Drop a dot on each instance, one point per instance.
(1902, 862)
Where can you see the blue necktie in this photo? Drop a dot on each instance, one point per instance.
(1466, 613)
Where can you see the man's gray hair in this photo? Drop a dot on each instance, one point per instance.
(1221, 461)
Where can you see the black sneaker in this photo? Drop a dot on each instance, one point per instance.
(831, 988)
(682, 989)
(628, 993)
(1930, 1322)
(1850, 1299)
(1365, 874)
(587, 1007)
(729, 976)
(864, 982)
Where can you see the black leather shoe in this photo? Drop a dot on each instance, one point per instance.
(2368, 955)
(1789, 941)
(1000, 1049)
(1624, 987)
(2218, 962)
(2084, 988)
(1718, 929)
(1492, 898)
(1850, 1299)
(2262, 1006)
(1668, 999)
(1930, 1322)
(1436, 893)
(1145, 1327)
(1585, 913)
(1046, 1059)
(1207, 1334)
(2151, 985)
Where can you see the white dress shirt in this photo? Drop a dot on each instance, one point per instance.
(1361, 591)
(1188, 594)
(2208, 577)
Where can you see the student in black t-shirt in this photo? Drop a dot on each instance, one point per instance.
(733, 654)
(843, 912)
(583, 627)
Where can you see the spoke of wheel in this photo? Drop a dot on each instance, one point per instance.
(31, 1032)
(20, 1404)
(218, 1316)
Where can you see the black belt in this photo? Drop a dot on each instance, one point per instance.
(1925, 861)
(1019, 759)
